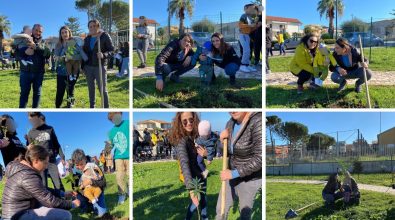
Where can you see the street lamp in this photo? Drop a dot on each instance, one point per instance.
(336, 20)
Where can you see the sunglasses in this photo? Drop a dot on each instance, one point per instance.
(185, 121)
(313, 41)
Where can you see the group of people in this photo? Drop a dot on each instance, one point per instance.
(313, 60)
(69, 57)
(26, 193)
(334, 190)
(157, 141)
(193, 141)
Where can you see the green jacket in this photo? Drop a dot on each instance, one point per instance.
(302, 60)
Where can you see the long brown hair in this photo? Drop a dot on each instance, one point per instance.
(60, 42)
(223, 46)
(177, 131)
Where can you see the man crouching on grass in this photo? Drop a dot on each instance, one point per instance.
(99, 205)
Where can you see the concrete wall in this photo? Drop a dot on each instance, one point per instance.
(327, 168)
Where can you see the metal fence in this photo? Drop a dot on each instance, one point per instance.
(120, 36)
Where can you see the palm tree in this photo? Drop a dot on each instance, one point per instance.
(90, 6)
(179, 7)
(5, 27)
(327, 8)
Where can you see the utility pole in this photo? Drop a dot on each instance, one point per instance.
(110, 23)
(168, 19)
(336, 20)
(358, 144)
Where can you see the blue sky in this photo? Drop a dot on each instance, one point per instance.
(231, 10)
(329, 122)
(217, 119)
(50, 13)
(85, 130)
(305, 10)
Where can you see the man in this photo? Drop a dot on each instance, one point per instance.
(119, 140)
(280, 39)
(44, 135)
(244, 175)
(268, 47)
(32, 74)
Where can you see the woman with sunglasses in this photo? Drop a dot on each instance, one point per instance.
(183, 133)
(348, 58)
(302, 62)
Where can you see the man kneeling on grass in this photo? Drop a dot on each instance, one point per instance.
(91, 185)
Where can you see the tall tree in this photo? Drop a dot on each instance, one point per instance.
(120, 14)
(273, 123)
(296, 134)
(90, 6)
(327, 8)
(179, 8)
(320, 141)
(204, 25)
(354, 25)
(5, 27)
(74, 25)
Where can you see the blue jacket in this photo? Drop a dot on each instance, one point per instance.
(209, 144)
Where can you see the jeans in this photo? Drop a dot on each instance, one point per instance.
(353, 74)
(125, 66)
(231, 69)
(53, 172)
(331, 198)
(282, 49)
(245, 44)
(200, 162)
(267, 58)
(85, 202)
(92, 76)
(45, 213)
(257, 46)
(26, 80)
(245, 191)
(142, 47)
(176, 69)
(202, 204)
(63, 84)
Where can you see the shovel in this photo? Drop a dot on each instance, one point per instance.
(364, 74)
(294, 213)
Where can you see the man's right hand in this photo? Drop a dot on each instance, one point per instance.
(29, 51)
(159, 85)
(194, 199)
(77, 203)
(224, 135)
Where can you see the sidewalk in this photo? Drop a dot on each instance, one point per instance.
(150, 72)
(286, 78)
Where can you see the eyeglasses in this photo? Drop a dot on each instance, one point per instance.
(185, 121)
(313, 41)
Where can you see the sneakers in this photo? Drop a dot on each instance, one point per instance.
(342, 86)
(25, 62)
(142, 65)
(205, 173)
(72, 77)
(121, 199)
(300, 89)
(100, 211)
(244, 68)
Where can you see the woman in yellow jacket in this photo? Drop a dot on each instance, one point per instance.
(302, 62)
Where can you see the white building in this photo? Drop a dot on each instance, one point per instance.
(152, 25)
(153, 124)
(290, 25)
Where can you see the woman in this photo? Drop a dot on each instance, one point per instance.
(347, 58)
(10, 145)
(184, 131)
(62, 81)
(143, 35)
(224, 56)
(244, 176)
(302, 62)
(175, 58)
(351, 191)
(25, 197)
(125, 60)
(91, 67)
(332, 190)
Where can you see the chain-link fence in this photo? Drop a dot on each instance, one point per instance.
(119, 37)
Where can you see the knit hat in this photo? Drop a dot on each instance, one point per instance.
(204, 128)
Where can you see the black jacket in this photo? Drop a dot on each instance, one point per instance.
(170, 55)
(106, 47)
(269, 38)
(247, 148)
(230, 56)
(38, 58)
(331, 188)
(13, 150)
(187, 155)
(24, 190)
(355, 57)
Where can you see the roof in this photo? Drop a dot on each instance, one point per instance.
(153, 120)
(149, 21)
(389, 130)
(281, 19)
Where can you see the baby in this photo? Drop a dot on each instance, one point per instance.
(93, 172)
(23, 40)
(206, 68)
(73, 56)
(207, 140)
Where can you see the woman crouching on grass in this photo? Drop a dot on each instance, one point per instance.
(183, 133)
(25, 196)
(332, 190)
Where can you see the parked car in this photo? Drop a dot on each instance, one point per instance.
(290, 43)
(367, 41)
(200, 38)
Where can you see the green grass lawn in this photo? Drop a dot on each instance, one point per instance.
(151, 55)
(159, 194)
(285, 96)
(111, 197)
(380, 179)
(382, 59)
(190, 93)
(280, 197)
(118, 90)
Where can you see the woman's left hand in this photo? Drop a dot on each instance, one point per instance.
(226, 175)
(187, 61)
(202, 151)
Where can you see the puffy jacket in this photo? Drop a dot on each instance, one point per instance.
(106, 47)
(247, 148)
(355, 58)
(302, 60)
(24, 190)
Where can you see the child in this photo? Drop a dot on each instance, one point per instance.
(206, 140)
(321, 62)
(246, 25)
(92, 172)
(22, 40)
(206, 68)
(73, 57)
